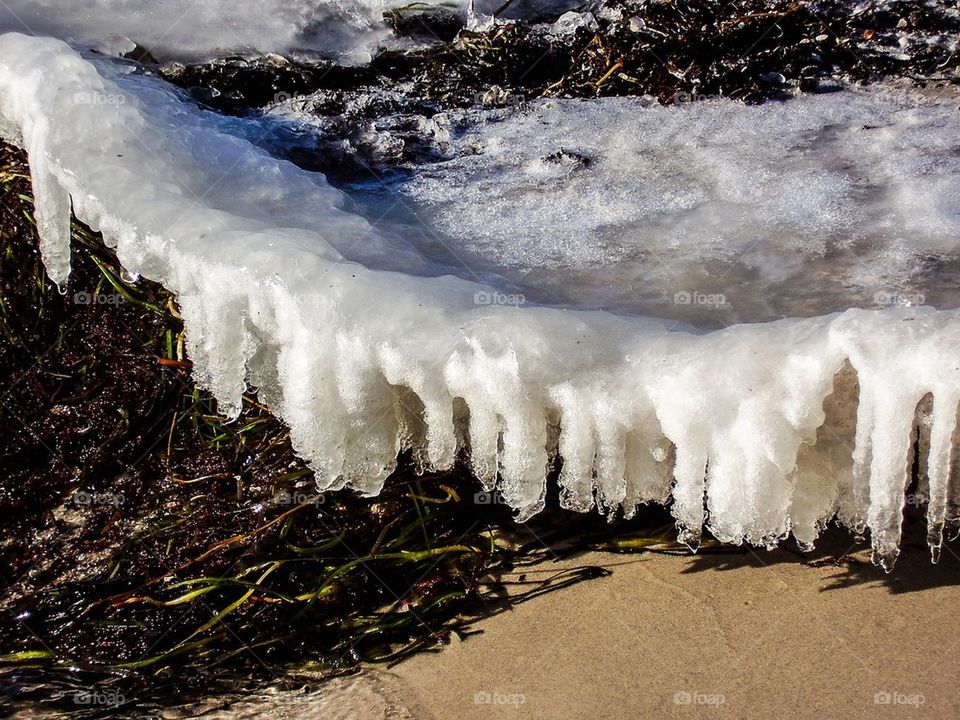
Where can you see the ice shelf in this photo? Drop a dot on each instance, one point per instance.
(356, 340)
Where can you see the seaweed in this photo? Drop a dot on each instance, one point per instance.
(673, 50)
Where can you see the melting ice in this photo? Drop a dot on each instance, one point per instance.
(367, 337)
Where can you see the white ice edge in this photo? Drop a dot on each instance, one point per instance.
(774, 428)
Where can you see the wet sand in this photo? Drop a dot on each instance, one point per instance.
(754, 635)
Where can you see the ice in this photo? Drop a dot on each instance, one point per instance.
(710, 212)
(190, 29)
(362, 340)
(349, 30)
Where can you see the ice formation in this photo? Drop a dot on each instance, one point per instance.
(363, 343)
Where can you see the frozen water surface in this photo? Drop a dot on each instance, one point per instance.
(710, 212)
(368, 337)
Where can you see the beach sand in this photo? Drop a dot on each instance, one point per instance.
(759, 634)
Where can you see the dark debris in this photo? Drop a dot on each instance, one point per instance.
(749, 50)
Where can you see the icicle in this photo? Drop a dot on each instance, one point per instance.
(945, 409)
(51, 207)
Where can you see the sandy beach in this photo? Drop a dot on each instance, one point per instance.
(754, 635)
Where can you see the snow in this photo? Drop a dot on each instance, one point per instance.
(361, 341)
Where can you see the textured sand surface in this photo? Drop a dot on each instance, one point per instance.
(757, 635)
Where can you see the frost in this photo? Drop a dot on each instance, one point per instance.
(362, 339)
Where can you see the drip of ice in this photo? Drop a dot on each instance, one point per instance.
(359, 338)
